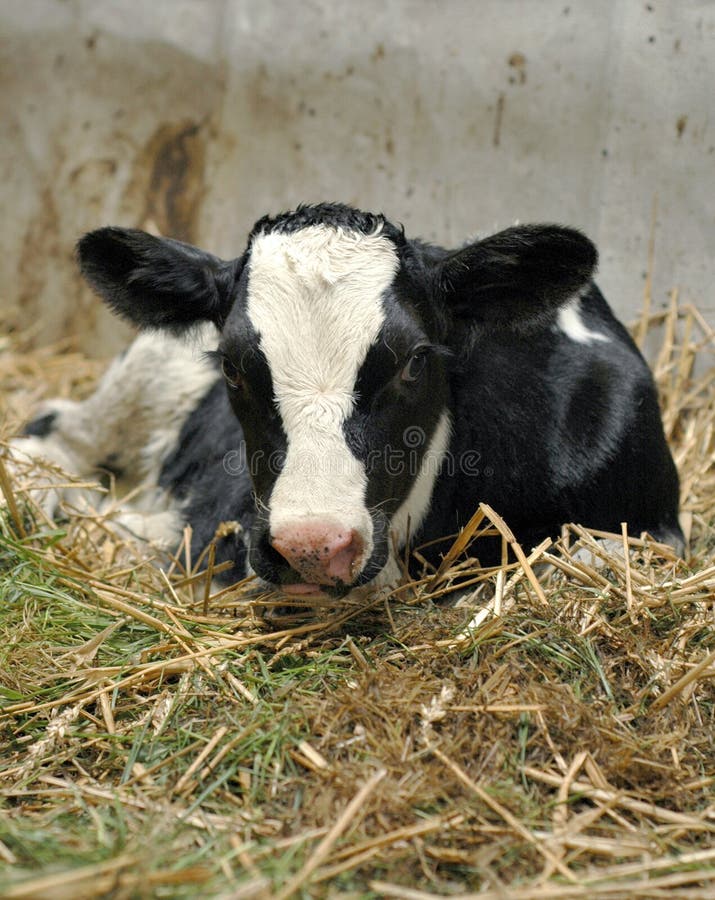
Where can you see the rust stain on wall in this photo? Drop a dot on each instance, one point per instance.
(167, 181)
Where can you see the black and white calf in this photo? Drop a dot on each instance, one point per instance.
(362, 386)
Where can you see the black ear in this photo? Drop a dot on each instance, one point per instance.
(157, 282)
(517, 277)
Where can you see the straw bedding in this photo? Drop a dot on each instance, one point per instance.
(549, 735)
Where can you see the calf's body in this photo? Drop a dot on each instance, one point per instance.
(364, 389)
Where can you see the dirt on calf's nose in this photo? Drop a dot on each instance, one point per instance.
(320, 552)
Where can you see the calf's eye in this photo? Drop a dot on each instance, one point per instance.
(230, 373)
(415, 366)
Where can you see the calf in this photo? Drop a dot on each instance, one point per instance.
(362, 388)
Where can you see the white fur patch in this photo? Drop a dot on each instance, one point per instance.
(411, 513)
(131, 422)
(133, 419)
(160, 528)
(314, 297)
(41, 466)
(572, 324)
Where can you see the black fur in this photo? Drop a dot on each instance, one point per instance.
(485, 281)
(336, 215)
(545, 429)
(42, 426)
(157, 282)
(208, 474)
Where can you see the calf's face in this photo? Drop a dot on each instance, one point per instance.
(333, 333)
(327, 370)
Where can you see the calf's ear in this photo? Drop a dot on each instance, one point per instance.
(157, 282)
(517, 277)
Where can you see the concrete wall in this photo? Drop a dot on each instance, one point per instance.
(195, 117)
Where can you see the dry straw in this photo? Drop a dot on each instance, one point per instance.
(552, 735)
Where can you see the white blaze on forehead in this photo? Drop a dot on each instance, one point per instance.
(314, 297)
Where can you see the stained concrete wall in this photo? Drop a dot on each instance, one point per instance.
(195, 117)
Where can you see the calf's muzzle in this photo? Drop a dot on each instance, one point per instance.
(321, 552)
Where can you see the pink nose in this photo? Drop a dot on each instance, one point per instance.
(321, 552)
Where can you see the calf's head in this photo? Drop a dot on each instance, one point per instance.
(337, 335)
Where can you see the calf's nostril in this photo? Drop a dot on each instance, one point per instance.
(341, 564)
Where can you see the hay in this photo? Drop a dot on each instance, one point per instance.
(552, 735)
